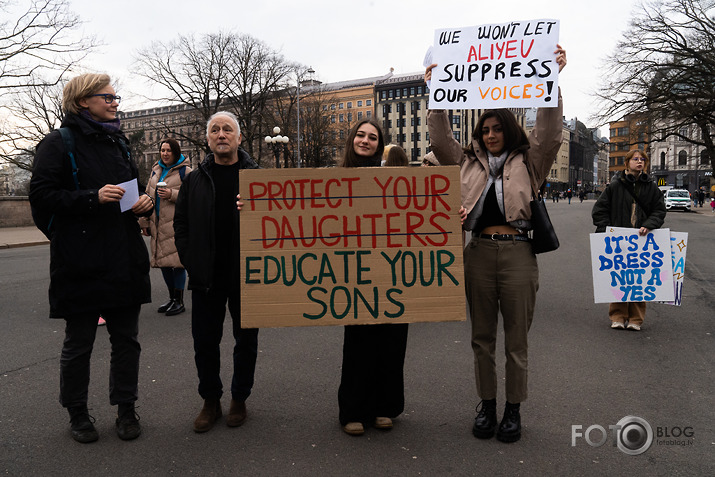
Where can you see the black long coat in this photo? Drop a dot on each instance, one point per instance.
(98, 259)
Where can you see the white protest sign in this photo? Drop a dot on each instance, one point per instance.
(496, 66)
(678, 249)
(630, 267)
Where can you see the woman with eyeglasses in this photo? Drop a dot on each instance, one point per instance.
(99, 264)
(631, 200)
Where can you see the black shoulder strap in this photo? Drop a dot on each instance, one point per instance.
(68, 140)
(638, 201)
(182, 172)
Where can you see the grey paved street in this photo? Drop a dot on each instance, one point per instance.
(581, 373)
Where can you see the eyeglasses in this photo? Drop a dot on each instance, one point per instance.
(108, 98)
(637, 159)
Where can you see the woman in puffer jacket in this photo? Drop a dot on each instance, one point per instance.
(166, 177)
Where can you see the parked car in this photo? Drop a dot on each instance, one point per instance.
(677, 199)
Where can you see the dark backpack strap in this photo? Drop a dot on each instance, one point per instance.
(182, 172)
(68, 140)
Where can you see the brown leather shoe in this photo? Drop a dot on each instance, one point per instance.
(237, 414)
(208, 415)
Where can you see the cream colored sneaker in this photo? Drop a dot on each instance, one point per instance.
(354, 428)
(617, 325)
(633, 327)
(383, 423)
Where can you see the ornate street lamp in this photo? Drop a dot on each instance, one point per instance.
(277, 142)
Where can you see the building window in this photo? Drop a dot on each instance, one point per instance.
(332, 118)
(350, 104)
(359, 115)
(412, 91)
(704, 157)
(332, 107)
(455, 120)
(662, 160)
(368, 114)
(419, 90)
(683, 131)
(383, 95)
(359, 104)
(340, 106)
(341, 118)
(350, 117)
(682, 158)
(457, 136)
(369, 102)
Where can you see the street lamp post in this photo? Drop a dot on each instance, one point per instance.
(277, 142)
(298, 79)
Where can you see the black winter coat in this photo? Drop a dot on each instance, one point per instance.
(98, 259)
(194, 230)
(614, 205)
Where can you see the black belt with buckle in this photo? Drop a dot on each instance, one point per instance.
(506, 237)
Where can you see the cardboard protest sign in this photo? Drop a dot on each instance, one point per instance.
(346, 246)
(630, 267)
(678, 249)
(496, 66)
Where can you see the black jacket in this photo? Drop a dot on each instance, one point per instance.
(614, 205)
(98, 259)
(194, 228)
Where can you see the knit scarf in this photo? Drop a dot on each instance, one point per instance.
(112, 126)
(496, 168)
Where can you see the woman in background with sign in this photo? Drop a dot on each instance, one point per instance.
(372, 389)
(166, 177)
(631, 200)
(501, 272)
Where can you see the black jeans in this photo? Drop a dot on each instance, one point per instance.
(207, 316)
(80, 332)
(372, 382)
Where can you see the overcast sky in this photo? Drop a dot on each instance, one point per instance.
(352, 39)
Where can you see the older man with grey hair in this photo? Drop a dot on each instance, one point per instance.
(206, 229)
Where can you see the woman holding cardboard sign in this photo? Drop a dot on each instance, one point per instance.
(372, 389)
(631, 200)
(501, 272)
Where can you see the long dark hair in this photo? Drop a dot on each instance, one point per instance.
(350, 159)
(514, 135)
(175, 148)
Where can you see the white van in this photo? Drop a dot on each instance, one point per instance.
(677, 199)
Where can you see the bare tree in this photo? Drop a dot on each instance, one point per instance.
(37, 45)
(37, 48)
(35, 110)
(663, 68)
(213, 72)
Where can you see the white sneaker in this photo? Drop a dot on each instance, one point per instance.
(617, 325)
(633, 327)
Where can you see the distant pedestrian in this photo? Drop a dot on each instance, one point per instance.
(631, 200)
(701, 197)
(712, 205)
(166, 177)
(99, 264)
(569, 194)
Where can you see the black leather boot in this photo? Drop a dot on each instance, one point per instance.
(486, 421)
(128, 427)
(178, 305)
(167, 305)
(82, 425)
(510, 427)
